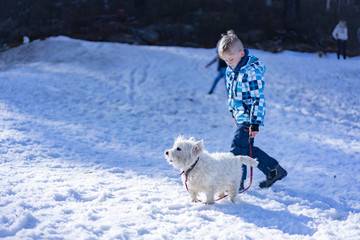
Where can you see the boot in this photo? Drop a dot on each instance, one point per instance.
(276, 174)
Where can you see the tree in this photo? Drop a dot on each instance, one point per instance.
(291, 14)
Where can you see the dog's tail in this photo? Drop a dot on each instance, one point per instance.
(249, 161)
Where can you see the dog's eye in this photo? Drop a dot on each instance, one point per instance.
(179, 149)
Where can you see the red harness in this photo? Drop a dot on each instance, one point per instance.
(187, 173)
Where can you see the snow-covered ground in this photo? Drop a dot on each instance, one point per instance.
(83, 128)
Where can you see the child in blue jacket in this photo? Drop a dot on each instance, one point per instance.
(245, 84)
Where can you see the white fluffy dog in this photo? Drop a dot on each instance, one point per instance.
(205, 172)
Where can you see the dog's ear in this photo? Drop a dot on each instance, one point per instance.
(198, 147)
(192, 139)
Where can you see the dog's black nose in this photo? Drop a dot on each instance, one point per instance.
(167, 152)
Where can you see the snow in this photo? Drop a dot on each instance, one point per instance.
(84, 126)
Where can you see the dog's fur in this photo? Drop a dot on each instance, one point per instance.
(213, 173)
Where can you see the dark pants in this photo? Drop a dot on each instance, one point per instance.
(220, 75)
(240, 146)
(341, 44)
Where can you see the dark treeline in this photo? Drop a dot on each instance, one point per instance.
(272, 25)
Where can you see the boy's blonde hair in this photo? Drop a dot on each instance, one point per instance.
(230, 44)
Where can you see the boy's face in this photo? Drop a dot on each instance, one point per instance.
(232, 59)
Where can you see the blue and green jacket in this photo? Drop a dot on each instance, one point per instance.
(245, 86)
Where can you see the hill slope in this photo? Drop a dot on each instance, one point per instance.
(84, 125)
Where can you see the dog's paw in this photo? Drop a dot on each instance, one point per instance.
(209, 203)
(194, 200)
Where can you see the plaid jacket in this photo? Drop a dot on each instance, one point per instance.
(245, 86)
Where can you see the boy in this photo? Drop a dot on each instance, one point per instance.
(245, 84)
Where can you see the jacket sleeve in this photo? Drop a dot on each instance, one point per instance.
(256, 85)
(335, 33)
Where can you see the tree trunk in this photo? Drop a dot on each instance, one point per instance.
(328, 5)
(291, 14)
(339, 6)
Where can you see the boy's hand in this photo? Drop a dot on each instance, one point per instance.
(253, 133)
(253, 130)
